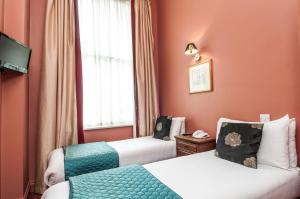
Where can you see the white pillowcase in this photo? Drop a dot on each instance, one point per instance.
(274, 148)
(182, 129)
(292, 143)
(177, 127)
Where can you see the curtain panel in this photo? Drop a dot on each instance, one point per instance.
(147, 105)
(106, 46)
(58, 109)
(79, 83)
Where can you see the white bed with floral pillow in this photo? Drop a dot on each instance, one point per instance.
(205, 176)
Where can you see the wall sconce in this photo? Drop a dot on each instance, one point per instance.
(192, 50)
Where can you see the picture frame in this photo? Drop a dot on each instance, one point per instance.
(200, 77)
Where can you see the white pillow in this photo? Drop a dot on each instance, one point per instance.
(274, 149)
(182, 129)
(176, 127)
(292, 143)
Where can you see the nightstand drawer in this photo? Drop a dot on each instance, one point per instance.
(206, 147)
(186, 146)
(183, 152)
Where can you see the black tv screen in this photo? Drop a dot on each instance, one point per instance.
(13, 55)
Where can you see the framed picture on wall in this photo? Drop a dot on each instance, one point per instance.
(200, 77)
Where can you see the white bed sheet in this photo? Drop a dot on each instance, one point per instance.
(206, 176)
(132, 151)
(143, 150)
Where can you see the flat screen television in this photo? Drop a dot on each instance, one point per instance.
(13, 55)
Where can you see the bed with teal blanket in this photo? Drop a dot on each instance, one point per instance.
(130, 182)
(73, 160)
(86, 158)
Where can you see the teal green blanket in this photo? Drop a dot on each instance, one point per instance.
(87, 158)
(130, 182)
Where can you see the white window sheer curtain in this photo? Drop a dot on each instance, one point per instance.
(107, 60)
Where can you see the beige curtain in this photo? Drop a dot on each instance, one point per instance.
(57, 109)
(146, 86)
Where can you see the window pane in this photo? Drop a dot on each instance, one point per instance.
(106, 46)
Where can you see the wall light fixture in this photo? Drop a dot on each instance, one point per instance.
(192, 50)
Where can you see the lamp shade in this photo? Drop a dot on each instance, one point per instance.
(191, 49)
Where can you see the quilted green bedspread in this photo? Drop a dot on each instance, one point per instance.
(87, 158)
(130, 182)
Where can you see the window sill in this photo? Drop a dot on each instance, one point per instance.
(107, 127)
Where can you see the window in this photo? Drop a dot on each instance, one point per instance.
(107, 61)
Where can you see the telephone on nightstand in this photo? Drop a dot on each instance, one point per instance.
(200, 134)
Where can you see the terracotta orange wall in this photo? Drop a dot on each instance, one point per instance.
(1, 14)
(298, 3)
(107, 135)
(14, 108)
(256, 58)
(37, 17)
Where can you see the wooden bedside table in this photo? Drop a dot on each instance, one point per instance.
(186, 144)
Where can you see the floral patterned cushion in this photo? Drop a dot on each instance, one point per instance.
(239, 143)
(162, 128)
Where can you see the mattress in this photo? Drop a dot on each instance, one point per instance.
(132, 151)
(205, 176)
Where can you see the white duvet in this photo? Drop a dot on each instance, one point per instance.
(132, 151)
(205, 176)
